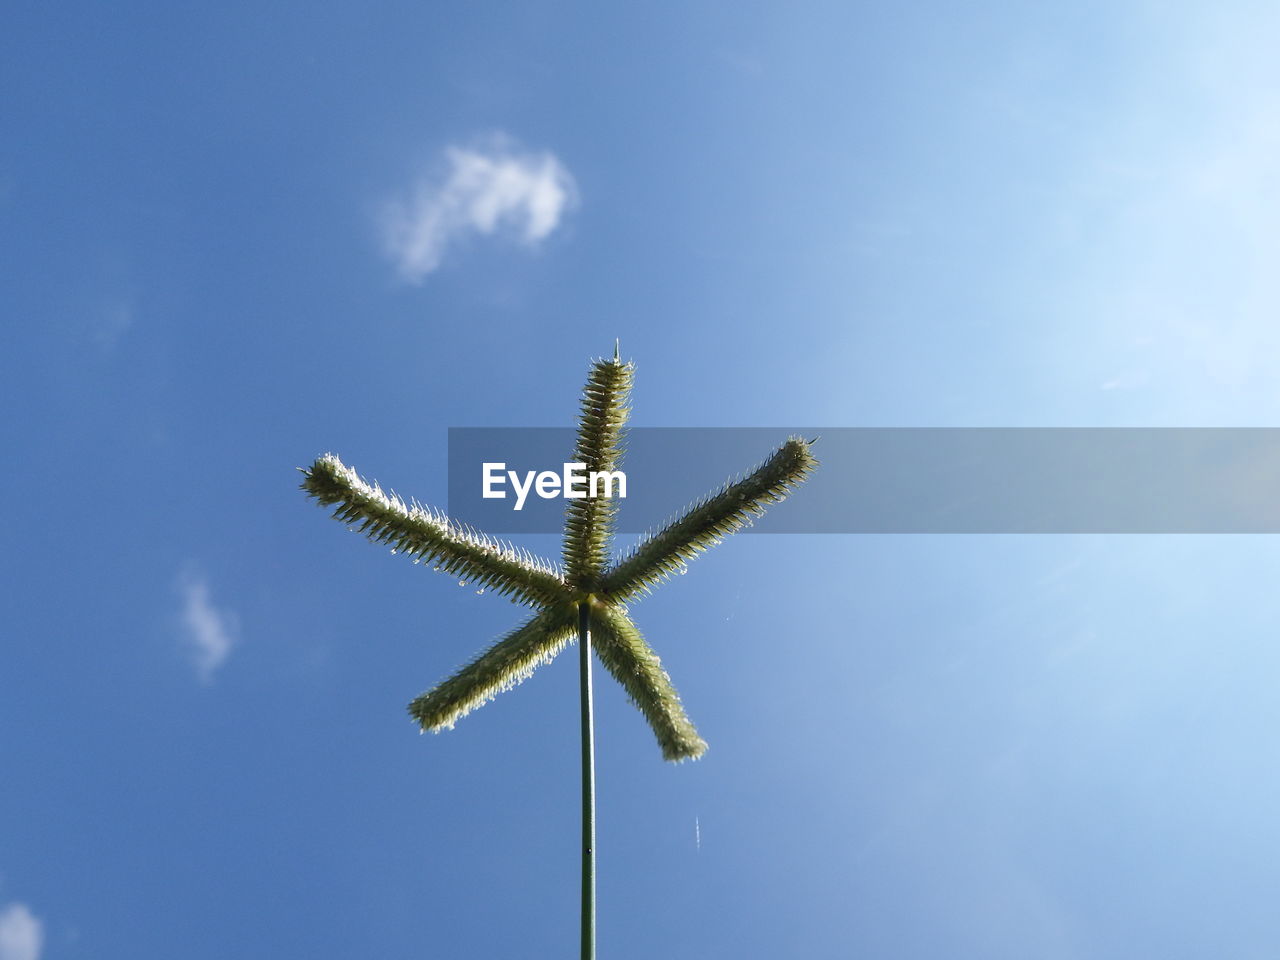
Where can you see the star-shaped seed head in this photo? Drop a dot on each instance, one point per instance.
(586, 578)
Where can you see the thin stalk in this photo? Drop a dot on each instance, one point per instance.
(588, 787)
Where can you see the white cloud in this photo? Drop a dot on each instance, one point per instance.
(209, 632)
(21, 933)
(498, 190)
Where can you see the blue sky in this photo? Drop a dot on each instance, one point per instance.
(237, 237)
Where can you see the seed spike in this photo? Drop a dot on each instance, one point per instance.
(559, 596)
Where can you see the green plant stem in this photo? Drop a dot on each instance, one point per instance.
(588, 787)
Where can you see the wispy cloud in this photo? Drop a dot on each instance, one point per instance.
(114, 321)
(209, 633)
(496, 190)
(21, 933)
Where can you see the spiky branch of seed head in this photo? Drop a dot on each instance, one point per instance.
(431, 537)
(708, 522)
(504, 665)
(589, 520)
(637, 668)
